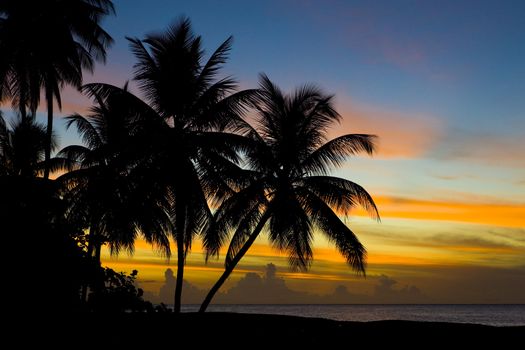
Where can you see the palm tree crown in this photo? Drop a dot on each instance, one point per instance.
(289, 188)
(22, 147)
(189, 149)
(48, 44)
(105, 187)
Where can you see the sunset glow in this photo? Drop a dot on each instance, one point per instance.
(446, 102)
(441, 84)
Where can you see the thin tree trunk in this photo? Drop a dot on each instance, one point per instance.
(23, 111)
(91, 252)
(227, 272)
(180, 275)
(98, 249)
(180, 226)
(22, 104)
(49, 132)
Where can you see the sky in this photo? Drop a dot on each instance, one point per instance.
(441, 83)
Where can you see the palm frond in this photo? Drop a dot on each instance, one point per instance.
(241, 210)
(75, 154)
(214, 64)
(55, 164)
(290, 230)
(89, 134)
(341, 194)
(228, 112)
(334, 152)
(336, 231)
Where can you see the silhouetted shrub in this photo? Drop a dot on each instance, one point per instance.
(116, 292)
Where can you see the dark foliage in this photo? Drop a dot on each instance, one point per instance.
(49, 273)
(116, 292)
(46, 44)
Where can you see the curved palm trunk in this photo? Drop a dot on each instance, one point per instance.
(229, 269)
(49, 131)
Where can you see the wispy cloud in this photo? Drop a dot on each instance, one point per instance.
(375, 34)
(506, 215)
(401, 135)
(452, 177)
(486, 148)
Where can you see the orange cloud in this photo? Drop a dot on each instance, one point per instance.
(506, 215)
(400, 135)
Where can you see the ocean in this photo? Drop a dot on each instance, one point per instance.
(493, 315)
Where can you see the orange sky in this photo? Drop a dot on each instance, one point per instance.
(413, 244)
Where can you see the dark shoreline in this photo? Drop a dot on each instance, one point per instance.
(237, 330)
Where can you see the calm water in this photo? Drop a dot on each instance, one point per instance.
(495, 315)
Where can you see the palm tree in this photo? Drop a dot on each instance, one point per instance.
(190, 150)
(17, 81)
(31, 210)
(22, 147)
(106, 189)
(290, 190)
(48, 43)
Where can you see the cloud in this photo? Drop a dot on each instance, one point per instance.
(468, 242)
(499, 214)
(401, 135)
(517, 235)
(475, 284)
(270, 288)
(446, 177)
(481, 147)
(453, 177)
(386, 292)
(376, 35)
(191, 293)
(389, 281)
(508, 241)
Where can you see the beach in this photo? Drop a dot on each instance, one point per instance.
(233, 330)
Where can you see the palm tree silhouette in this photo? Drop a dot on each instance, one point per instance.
(106, 187)
(106, 190)
(19, 76)
(290, 190)
(191, 148)
(48, 44)
(22, 147)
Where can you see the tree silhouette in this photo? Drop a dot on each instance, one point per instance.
(47, 44)
(31, 210)
(290, 190)
(191, 150)
(22, 147)
(106, 187)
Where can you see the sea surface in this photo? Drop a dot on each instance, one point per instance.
(493, 315)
